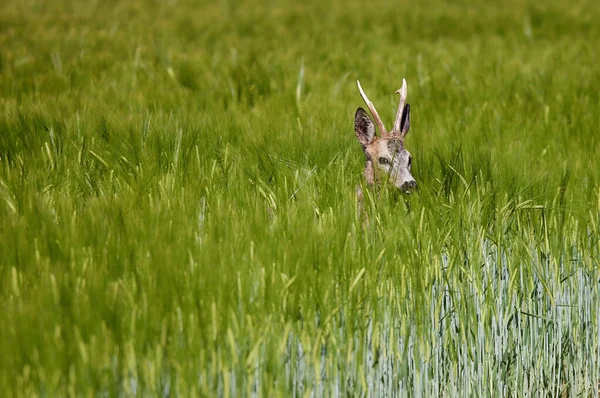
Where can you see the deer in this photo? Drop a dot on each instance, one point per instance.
(386, 158)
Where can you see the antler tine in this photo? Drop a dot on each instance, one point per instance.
(403, 91)
(371, 107)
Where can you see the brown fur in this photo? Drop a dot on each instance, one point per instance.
(386, 158)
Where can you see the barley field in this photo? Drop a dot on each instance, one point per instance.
(178, 210)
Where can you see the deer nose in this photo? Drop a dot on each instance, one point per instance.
(409, 186)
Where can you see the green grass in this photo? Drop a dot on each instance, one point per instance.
(178, 210)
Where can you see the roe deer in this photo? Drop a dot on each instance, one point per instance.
(387, 159)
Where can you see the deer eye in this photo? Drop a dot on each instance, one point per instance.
(409, 161)
(384, 161)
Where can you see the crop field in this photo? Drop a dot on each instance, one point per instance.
(178, 208)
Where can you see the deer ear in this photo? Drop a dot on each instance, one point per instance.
(405, 123)
(363, 127)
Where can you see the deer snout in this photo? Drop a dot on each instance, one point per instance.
(408, 186)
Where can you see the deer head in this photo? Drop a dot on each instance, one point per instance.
(387, 159)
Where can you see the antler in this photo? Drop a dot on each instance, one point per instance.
(403, 91)
(371, 107)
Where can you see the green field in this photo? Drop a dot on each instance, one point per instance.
(178, 214)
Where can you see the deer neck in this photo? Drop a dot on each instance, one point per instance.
(369, 173)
